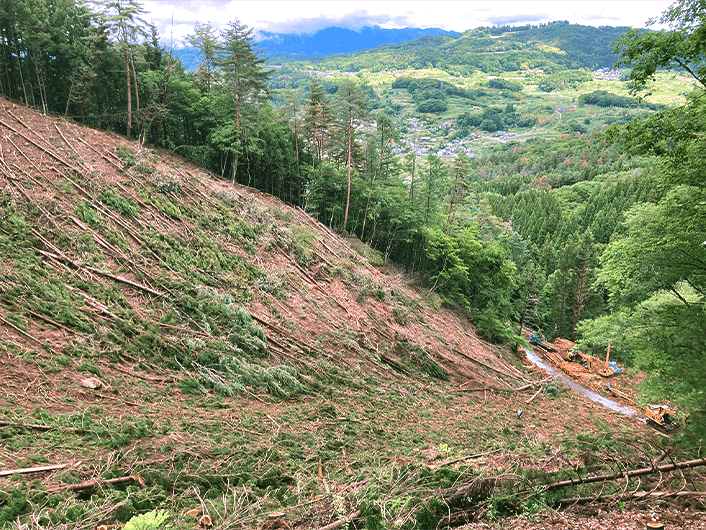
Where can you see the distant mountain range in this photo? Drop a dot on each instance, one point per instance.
(332, 40)
(324, 42)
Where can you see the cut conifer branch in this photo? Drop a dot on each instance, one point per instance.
(21, 331)
(89, 484)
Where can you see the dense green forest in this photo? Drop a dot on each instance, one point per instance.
(597, 236)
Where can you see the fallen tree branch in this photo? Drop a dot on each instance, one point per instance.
(26, 425)
(101, 154)
(33, 469)
(516, 378)
(329, 249)
(124, 280)
(93, 483)
(530, 400)
(629, 496)
(312, 280)
(48, 320)
(35, 144)
(131, 403)
(36, 427)
(341, 522)
(19, 120)
(21, 331)
(287, 335)
(67, 142)
(185, 330)
(19, 188)
(628, 474)
(98, 239)
(469, 457)
(166, 379)
(525, 387)
(394, 364)
(492, 388)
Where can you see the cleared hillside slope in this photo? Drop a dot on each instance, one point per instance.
(175, 342)
(117, 241)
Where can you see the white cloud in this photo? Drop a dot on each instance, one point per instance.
(176, 18)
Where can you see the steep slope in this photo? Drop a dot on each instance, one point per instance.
(171, 341)
(139, 243)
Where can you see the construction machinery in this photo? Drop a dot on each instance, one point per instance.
(660, 416)
(561, 352)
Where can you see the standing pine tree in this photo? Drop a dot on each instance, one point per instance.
(459, 182)
(245, 80)
(434, 181)
(353, 112)
(122, 18)
(387, 136)
(205, 40)
(292, 111)
(317, 120)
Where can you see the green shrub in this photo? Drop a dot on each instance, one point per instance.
(87, 213)
(126, 154)
(115, 201)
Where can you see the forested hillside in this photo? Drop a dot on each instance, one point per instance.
(554, 47)
(585, 219)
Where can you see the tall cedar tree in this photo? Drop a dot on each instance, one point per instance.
(245, 80)
(387, 135)
(317, 119)
(292, 111)
(459, 172)
(122, 17)
(352, 109)
(204, 39)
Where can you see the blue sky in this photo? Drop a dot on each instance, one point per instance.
(175, 18)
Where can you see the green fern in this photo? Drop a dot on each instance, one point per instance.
(154, 520)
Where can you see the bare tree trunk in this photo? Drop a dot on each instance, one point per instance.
(579, 301)
(129, 96)
(164, 95)
(372, 183)
(348, 198)
(451, 216)
(299, 177)
(19, 68)
(40, 82)
(414, 169)
(134, 77)
(627, 474)
(137, 96)
(235, 168)
(68, 99)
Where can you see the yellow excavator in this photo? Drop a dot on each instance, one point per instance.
(660, 416)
